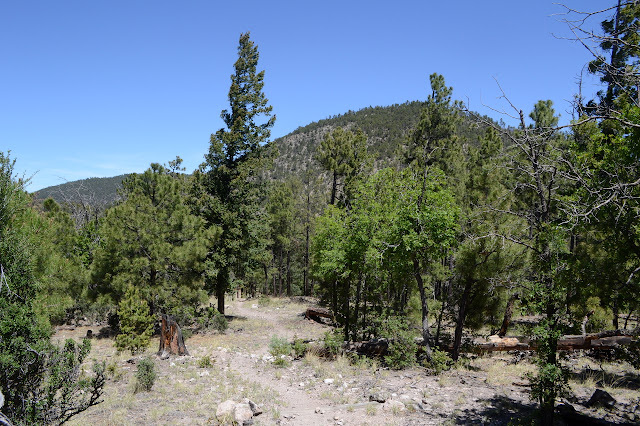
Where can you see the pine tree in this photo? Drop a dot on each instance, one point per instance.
(232, 196)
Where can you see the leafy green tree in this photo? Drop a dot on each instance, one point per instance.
(231, 197)
(154, 242)
(136, 322)
(395, 220)
(40, 382)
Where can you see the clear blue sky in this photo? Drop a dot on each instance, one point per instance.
(101, 88)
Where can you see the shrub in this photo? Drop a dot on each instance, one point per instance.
(212, 319)
(146, 375)
(402, 348)
(299, 347)
(440, 361)
(333, 341)
(279, 346)
(205, 362)
(136, 323)
(220, 323)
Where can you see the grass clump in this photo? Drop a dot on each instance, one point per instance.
(146, 375)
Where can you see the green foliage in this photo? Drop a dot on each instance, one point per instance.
(299, 347)
(402, 349)
(145, 375)
(154, 242)
(205, 362)
(136, 322)
(279, 346)
(440, 361)
(333, 341)
(41, 383)
(280, 349)
(212, 319)
(229, 190)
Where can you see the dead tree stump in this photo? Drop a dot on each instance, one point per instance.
(171, 340)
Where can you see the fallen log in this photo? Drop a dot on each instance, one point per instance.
(605, 340)
(316, 314)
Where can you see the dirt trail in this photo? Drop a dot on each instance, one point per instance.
(299, 402)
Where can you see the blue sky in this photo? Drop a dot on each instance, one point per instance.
(102, 88)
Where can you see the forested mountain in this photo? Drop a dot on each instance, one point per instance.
(95, 191)
(386, 127)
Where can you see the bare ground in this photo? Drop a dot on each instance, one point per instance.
(313, 391)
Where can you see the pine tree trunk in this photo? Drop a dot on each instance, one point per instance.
(425, 307)
(462, 314)
(508, 313)
(171, 340)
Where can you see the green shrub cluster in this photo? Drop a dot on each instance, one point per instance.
(136, 322)
(146, 375)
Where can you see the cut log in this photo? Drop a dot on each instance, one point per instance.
(317, 314)
(605, 340)
(171, 340)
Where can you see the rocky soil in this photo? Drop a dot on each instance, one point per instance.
(313, 391)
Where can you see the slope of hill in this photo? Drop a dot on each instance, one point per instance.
(387, 129)
(94, 191)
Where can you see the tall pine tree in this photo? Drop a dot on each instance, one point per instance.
(229, 176)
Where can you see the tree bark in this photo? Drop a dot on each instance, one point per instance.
(462, 314)
(508, 313)
(171, 340)
(425, 307)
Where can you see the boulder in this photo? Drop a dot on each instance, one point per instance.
(234, 412)
(242, 412)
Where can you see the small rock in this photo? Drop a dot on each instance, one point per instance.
(393, 405)
(254, 407)
(336, 418)
(301, 384)
(328, 381)
(254, 306)
(318, 410)
(377, 398)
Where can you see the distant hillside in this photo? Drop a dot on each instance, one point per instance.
(94, 191)
(387, 129)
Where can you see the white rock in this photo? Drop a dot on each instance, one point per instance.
(393, 405)
(301, 384)
(242, 412)
(328, 381)
(224, 412)
(254, 306)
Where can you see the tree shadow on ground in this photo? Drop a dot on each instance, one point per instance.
(499, 411)
(619, 379)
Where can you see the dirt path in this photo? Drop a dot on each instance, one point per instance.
(309, 391)
(297, 388)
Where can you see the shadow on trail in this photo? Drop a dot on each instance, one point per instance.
(497, 411)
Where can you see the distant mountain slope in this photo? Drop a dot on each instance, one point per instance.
(94, 191)
(387, 129)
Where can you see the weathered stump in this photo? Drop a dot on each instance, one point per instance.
(171, 340)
